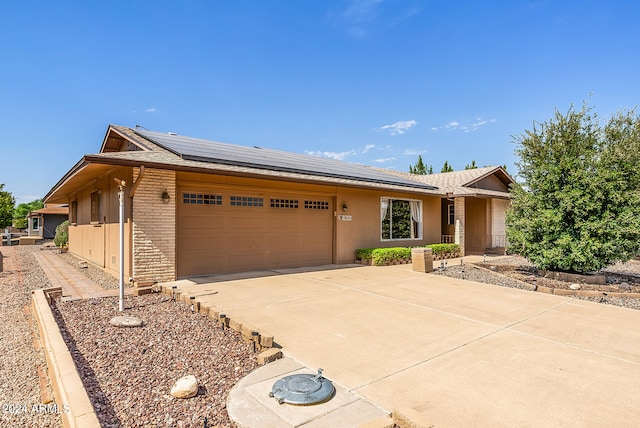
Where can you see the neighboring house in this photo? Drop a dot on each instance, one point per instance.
(197, 207)
(43, 222)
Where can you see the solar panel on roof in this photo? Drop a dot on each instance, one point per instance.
(276, 160)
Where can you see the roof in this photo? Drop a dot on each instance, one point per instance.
(123, 146)
(195, 149)
(464, 182)
(53, 210)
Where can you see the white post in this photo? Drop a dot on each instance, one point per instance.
(121, 185)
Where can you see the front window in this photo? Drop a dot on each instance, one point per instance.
(400, 219)
(35, 223)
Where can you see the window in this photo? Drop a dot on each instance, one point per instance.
(400, 219)
(316, 205)
(246, 201)
(284, 203)
(35, 223)
(73, 213)
(201, 199)
(451, 214)
(95, 206)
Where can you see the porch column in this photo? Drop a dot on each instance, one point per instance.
(459, 216)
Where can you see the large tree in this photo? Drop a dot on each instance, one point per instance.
(420, 167)
(7, 201)
(446, 167)
(22, 210)
(576, 206)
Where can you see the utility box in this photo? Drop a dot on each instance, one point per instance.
(422, 259)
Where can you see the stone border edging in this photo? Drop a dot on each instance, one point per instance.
(68, 388)
(264, 339)
(563, 291)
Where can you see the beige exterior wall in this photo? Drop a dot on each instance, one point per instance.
(364, 229)
(99, 242)
(154, 230)
(491, 183)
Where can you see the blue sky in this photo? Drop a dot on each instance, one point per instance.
(375, 82)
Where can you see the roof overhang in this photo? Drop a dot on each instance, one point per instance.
(80, 176)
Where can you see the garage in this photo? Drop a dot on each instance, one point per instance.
(225, 231)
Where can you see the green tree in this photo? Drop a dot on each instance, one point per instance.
(577, 206)
(471, 166)
(22, 210)
(7, 202)
(446, 167)
(420, 167)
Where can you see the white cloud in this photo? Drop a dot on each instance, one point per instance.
(383, 160)
(368, 147)
(331, 155)
(465, 127)
(361, 10)
(398, 128)
(413, 152)
(151, 110)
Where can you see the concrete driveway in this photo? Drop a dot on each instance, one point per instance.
(457, 353)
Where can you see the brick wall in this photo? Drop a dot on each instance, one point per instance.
(154, 227)
(459, 214)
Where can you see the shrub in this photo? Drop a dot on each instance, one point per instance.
(441, 249)
(364, 253)
(61, 238)
(382, 255)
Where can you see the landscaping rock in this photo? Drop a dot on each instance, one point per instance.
(624, 286)
(126, 321)
(185, 387)
(575, 286)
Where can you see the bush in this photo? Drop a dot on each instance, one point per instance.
(61, 238)
(382, 255)
(441, 249)
(364, 253)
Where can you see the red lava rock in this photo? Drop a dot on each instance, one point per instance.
(130, 387)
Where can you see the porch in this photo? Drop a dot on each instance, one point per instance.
(477, 224)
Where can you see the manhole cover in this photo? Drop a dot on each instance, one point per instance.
(303, 389)
(126, 321)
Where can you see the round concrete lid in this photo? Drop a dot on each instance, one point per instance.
(126, 321)
(303, 389)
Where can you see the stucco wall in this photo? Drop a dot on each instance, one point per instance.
(99, 242)
(154, 231)
(364, 229)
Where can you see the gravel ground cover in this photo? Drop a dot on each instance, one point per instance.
(19, 382)
(513, 271)
(128, 372)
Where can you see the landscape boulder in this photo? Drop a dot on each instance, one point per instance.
(185, 387)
